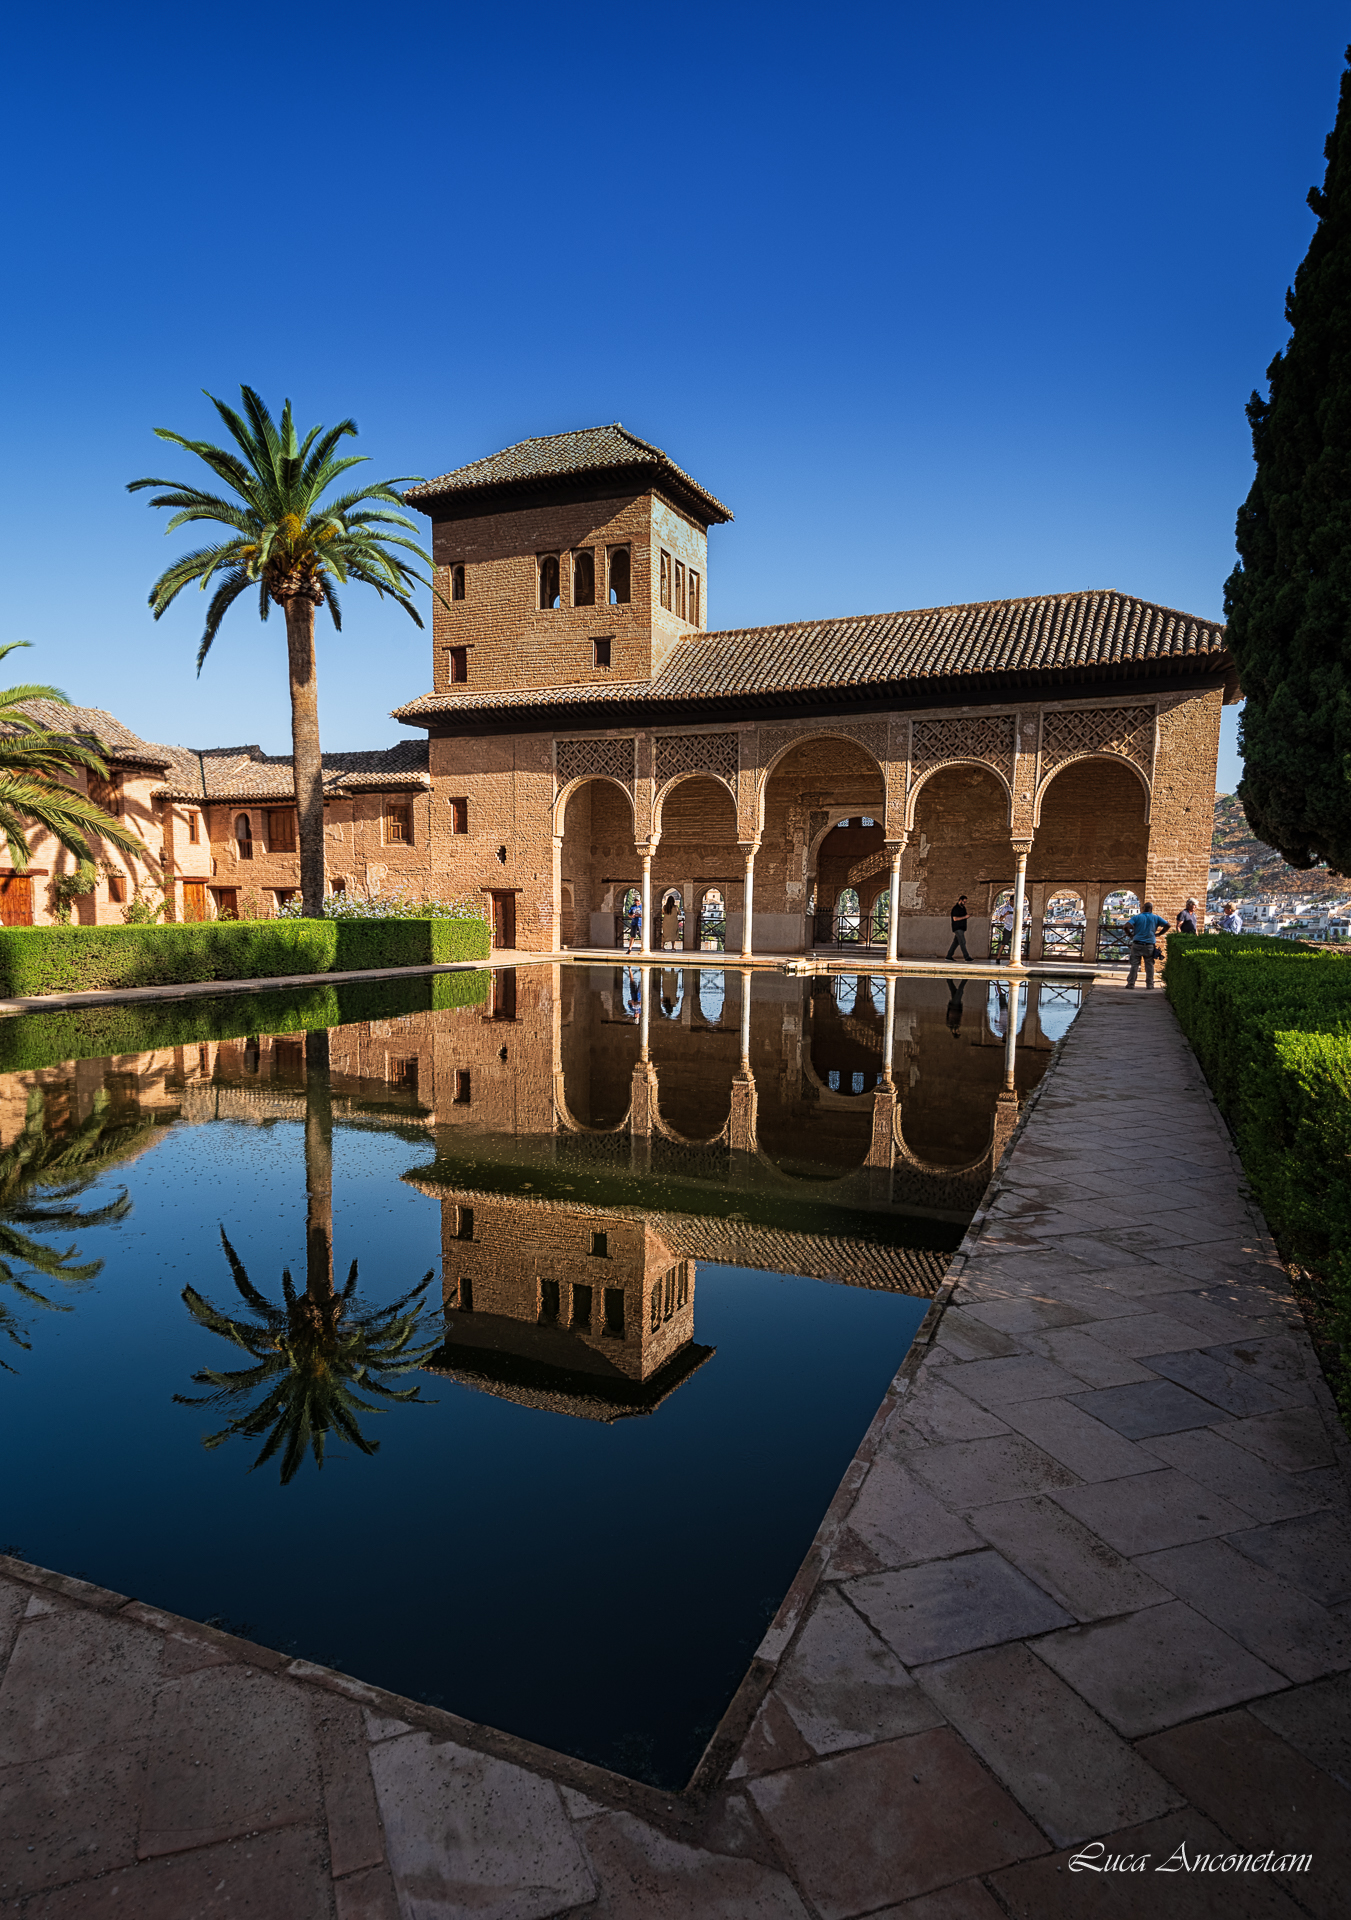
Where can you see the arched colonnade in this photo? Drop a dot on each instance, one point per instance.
(772, 837)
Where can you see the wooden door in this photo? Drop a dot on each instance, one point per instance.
(504, 920)
(227, 902)
(194, 900)
(16, 901)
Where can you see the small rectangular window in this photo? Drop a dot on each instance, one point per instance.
(466, 1293)
(581, 1308)
(195, 828)
(602, 650)
(457, 583)
(600, 1246)
(548, 1302)
(403, 1074)
(459, 816)
(117, 888)
(459, 665)
(106, 794)
(614, 1312)
(680, 588)
(281, 830)
(285, 895)
(464, 1223)
(398, 825)
(462, 1087)
(666, 579)
(694, 598)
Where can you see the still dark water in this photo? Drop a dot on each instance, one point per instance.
(678, 1244)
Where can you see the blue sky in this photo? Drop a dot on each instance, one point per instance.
(948, 304)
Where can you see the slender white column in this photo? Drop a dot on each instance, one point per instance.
(748, 898)
(647, 916)
(746, 978)
(1021, 850)
(896, 848)
(646, 978)
(1011, 1037)
(889, 1029)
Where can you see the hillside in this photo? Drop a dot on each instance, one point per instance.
(1252, 868)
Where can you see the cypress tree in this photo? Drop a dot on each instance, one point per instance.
(1288, 602)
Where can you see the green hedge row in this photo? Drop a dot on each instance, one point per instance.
(33, 1040)
(1270, 1022)
(36, 960)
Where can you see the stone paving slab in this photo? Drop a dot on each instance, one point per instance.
(1087, 1584)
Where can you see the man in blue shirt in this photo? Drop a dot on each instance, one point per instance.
(1145, 926)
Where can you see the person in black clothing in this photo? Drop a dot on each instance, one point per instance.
(959, 929)
(956, 988)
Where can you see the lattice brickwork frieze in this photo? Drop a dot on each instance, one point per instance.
(871, 734)
(984, 737)
(588, 759)
(1128, 731)
(711, 753)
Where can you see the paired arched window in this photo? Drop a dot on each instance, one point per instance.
(548, 582)
(584, 578)
(457, 583)
(244, 837)
(621, 581)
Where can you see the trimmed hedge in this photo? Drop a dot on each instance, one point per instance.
(36, 960)
(30, 1041)
(1270, 1022)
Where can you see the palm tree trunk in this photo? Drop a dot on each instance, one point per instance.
(318, 1171)
(309, 773)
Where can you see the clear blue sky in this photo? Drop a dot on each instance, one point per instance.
(948, 304)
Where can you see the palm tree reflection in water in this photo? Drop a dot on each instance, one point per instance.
(57, 1166)
(319, 1351)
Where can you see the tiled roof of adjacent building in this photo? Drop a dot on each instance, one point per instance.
(536, 465)
(117, 743)
(1097, 634)
(247, 773)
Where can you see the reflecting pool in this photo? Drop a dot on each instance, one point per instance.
(500, 1338)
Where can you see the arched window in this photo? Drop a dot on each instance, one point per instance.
(672, 992)
(457, 583)
(1056, 1008)
(620, 577)
(881, 919)
(712, 993)
(1114, 940)
(548, 582)
(672, 919)
(847, 917)
(1001, 924)
(244, 837)
(584, 578)
(713, 921)
(1062, 926)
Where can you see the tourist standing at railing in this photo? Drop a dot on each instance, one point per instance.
(1004, 921)
(959, 928)
(1145, 928)
(1186, 920)
(1232, 921)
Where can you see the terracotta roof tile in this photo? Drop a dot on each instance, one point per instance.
(117, 743)
(560, 456)
(1055, 633)
(246, 773)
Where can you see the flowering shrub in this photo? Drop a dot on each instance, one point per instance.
(374, 905)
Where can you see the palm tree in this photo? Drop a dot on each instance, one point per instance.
(60, 1166)
(316, 1352)
(296, 548)
(37, 766)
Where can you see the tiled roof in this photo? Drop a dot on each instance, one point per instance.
(1055, 633)
(117, 743)
(534, 464)
(247, 773)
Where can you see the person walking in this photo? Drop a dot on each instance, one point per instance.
(1232, 921)
(1145, 926)
(959, 928)
(956, 988)
(1186, 920)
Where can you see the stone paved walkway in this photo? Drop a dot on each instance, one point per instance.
(1088, 1579)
